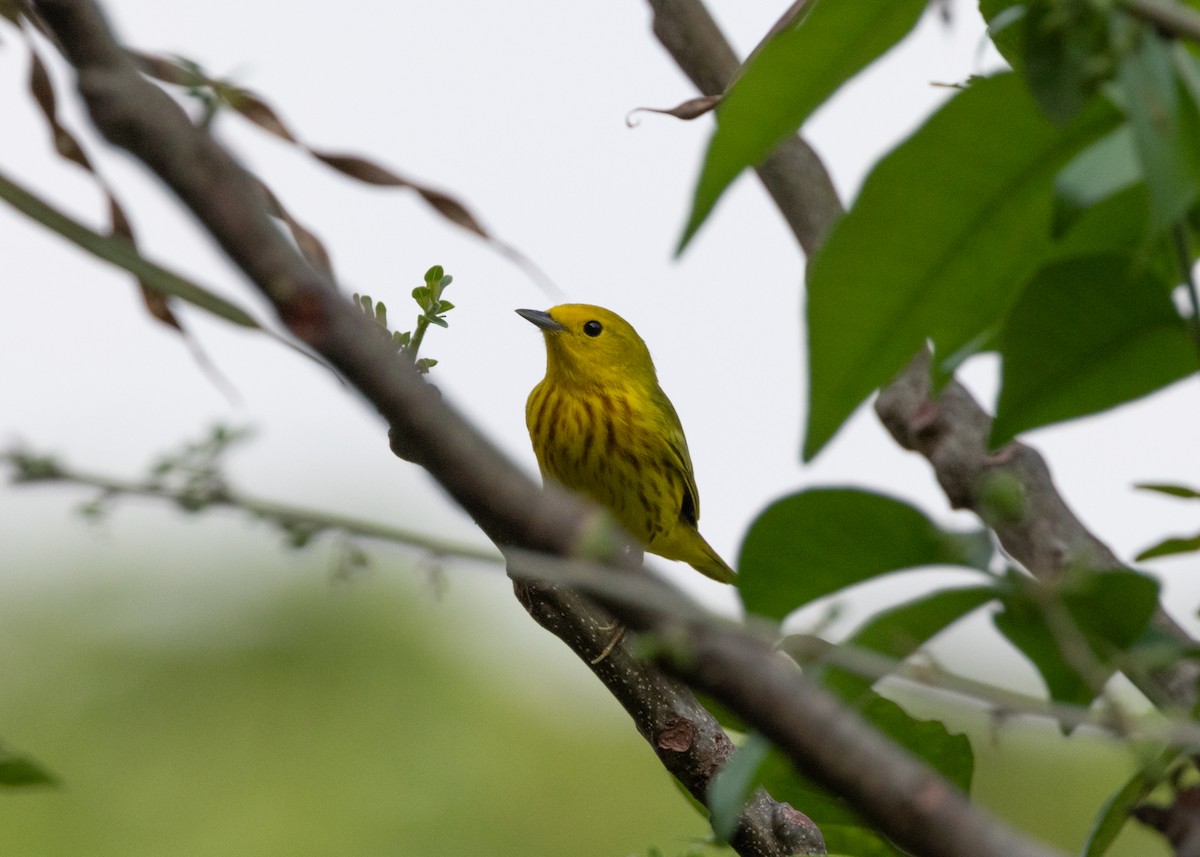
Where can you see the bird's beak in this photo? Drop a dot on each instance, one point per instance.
(541, 319)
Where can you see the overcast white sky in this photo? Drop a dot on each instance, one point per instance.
(519, 110)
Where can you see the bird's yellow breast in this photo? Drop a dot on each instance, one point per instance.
(606, 445)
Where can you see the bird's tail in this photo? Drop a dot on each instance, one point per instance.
(709, 563)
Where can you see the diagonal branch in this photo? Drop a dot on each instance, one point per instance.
(1012, 491)
(509, 508)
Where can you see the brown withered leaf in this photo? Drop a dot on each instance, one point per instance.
(372, 173)
(258, 111)
(309, 245)
(686, 110)
(42, 90)
(41, 87)
(166, 69)
(254, 108)
(157, 303)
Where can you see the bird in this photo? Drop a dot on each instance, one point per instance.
(603, 427)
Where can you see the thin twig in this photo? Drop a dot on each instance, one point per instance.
(1174, 18)
(294, 517)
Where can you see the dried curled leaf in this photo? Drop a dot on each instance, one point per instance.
(693, 108)
(41, 87)
(309, 245)
(372, 173)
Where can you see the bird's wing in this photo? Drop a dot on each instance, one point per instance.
(679, 457)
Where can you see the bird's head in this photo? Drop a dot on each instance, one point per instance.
(588, 344)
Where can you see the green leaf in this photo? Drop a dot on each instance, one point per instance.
(1066, 55)
(788, 79)
(737, 779)
(1106, 167)
(118, 251)
(1170, 490)
(434, 274)
(1117, 224)
(1004, 19)
(423, 295)
(1171, 547)
(21, 772)
(935, 246)
(1164, 126)
(1087, 334)
(843, 829)
(1105, 613)
(948, 753)
(824, 539)
(900, 631)
(1117, 809)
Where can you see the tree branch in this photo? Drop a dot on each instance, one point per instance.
(1174, 18)
(1011, 490)
(827, 742)
(899, 794)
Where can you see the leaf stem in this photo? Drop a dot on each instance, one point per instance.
(418, 336)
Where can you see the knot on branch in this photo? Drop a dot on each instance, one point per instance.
(796, 830)
(678, 735)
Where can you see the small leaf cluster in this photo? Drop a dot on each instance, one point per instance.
(428, 298)
(195, 472)
(378, 311)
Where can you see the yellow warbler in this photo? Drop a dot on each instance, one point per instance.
(602, 426)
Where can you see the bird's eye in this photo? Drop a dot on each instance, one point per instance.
(592, 328)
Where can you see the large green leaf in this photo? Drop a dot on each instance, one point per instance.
(1165, 124)
(1071, 631)
(1103, 169)
(1088, 334)
(825, 539)
(902, 630)
(788, 79)
(1004, 19)
(1065, 52)
(946, 230)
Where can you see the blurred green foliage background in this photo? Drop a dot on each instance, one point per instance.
(264, 708)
